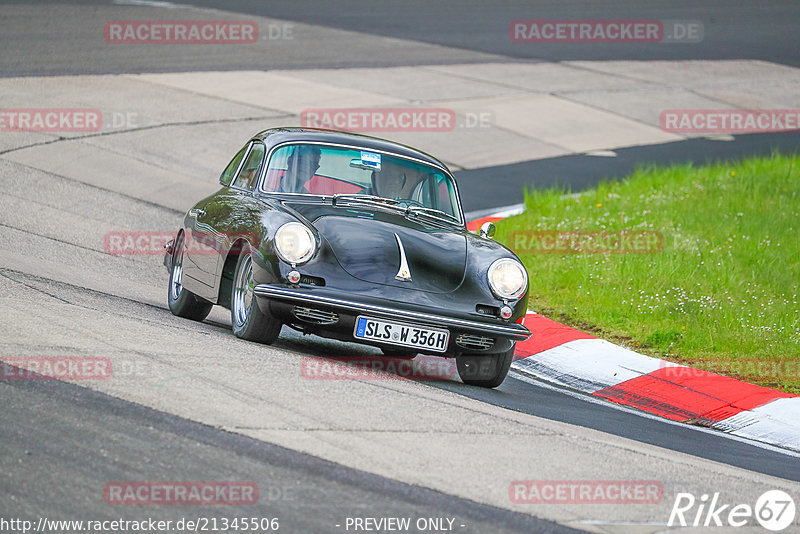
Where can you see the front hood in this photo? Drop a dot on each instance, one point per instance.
(367, 249)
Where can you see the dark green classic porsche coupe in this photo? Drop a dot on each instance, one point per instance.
(354, 238)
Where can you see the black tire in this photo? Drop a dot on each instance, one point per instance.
(183, 302)
(247, 319)
(487, 371)
(402, 354)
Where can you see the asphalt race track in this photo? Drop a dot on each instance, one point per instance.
(75, 426)
(190, 402)
(766, 30)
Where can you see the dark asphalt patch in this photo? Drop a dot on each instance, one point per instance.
(63, 443)
(491, 187)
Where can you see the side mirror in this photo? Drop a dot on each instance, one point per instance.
(487, 230)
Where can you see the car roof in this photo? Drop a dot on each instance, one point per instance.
(275, 136)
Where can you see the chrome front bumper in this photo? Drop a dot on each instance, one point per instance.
(514, 331)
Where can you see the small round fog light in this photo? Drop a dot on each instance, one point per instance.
(506, 312)
(293, 277)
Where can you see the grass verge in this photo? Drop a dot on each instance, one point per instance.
(695, 264)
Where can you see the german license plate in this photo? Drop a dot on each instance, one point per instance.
(418, 337)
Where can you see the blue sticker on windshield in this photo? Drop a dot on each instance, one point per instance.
(371, 160)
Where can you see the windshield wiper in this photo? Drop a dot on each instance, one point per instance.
(374, 200)
(438, 214)
(371, 200)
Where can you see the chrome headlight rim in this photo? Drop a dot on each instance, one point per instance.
(303, 231)
(523, 286)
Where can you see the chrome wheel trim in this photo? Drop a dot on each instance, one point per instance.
(177, 271)
(243, 291)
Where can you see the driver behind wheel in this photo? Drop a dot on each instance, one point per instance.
(301, 167)
(395, 181)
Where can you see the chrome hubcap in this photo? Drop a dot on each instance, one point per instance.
(177, 270)
(243, 291)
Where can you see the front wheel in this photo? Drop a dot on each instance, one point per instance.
(487, 371)
(183, 302)
(247, 319)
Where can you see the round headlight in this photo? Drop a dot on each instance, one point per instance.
(294, 243)
(508, 278)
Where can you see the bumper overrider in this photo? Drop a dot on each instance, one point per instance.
(332, 316)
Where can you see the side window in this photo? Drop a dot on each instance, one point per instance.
(248, 176)
(230, 170)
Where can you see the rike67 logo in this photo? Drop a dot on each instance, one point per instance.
(774, 510)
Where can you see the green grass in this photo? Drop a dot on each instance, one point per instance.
(721, 295)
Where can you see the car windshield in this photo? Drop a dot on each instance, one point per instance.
(328, 170)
